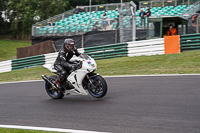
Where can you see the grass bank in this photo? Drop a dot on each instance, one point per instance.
(8, 48)
(5, 130)
(183, 63)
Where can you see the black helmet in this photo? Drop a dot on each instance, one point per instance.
(69, 44)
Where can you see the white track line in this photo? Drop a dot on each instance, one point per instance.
(120, 76)
(48, 129)
(21, 81)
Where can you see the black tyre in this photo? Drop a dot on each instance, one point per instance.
(99, 87)
(53, 93)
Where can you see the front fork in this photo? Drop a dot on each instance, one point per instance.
(90, 76)
(90, 81)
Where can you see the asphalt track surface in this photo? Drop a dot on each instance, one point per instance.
(159, 104)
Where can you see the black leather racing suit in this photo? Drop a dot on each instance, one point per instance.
(62, 64)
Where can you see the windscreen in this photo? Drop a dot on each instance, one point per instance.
(84, 56)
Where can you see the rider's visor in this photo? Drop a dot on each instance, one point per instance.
(71, 47)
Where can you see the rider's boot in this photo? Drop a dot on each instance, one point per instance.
(58, 84)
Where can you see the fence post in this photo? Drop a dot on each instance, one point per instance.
(197, 29)
(163, 3)
(181, 43)
(82, 40)
(121, 27)
(190, 42)
(133, 11)
(116, 36)
(33, 31)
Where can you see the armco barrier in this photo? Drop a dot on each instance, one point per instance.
(51, 57)
(107, 51)
(5, 66)
(28, 62)
(190, 42)
(146, 47)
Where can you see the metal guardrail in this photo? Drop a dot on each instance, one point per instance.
(50, 58)
(136, 48)
(192, 9)
(55, 18)
(192, 6)
(102, 7)
(28, 62)
(107, 51)
(73, 29)
(5, 66)
(79, 28)
(162, 3)
(146, 47)
(190, 42)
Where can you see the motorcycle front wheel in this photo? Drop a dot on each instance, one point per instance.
(53, 93)
(97, 87)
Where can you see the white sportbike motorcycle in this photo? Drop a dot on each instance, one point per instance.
(84, 80)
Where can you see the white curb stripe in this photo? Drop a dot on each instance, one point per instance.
(48, 129)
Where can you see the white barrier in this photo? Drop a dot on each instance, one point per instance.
(81, 50)
(146, 47)
(6, 66)
(137, 48)
(51, 57)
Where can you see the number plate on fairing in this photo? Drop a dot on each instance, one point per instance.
(90, 64)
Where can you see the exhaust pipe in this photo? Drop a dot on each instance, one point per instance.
(45, 78)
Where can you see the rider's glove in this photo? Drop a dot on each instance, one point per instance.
(74, 67)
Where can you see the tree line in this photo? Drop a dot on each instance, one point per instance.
(22, 14)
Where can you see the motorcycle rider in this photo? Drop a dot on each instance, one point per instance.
(62, 64)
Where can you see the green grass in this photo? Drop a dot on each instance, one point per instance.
(5, 130)
(24, 74)
(183, 63)
(8, 48)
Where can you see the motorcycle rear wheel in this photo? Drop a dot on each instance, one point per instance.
(53, 93)
(100, 87)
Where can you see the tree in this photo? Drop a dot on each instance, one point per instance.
(49, 8)
(74, 3)
(4, 26)
(22, 13)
